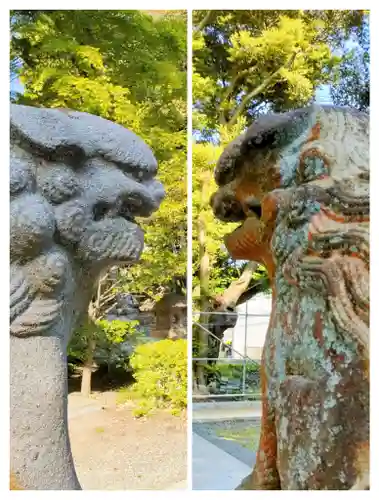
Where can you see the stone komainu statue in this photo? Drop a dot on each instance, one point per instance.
(77, 182)
(299, 183)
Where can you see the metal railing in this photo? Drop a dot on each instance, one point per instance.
(241, 359)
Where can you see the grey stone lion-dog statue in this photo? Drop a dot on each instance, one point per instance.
(77, 182)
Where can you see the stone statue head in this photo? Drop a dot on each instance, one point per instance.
(286, 178)
(77, 184)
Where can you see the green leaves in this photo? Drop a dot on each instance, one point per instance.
(352, 83)
(160, 371)
(117, 331)
(247, 62)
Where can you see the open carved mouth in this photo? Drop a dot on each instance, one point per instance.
(241, 227)
(115, 234)
(128, 212)
(229, 209)
(253, 211)
(250, 240)
(254, 208)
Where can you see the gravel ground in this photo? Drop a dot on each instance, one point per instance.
(114, 451)
(239, 447)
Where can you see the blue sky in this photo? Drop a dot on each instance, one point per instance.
(16, 86)
(323, 95)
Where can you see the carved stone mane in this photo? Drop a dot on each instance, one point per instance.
(299, 183)
(77, 182)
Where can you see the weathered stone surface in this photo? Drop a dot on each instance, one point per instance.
(76, 183)
(299, 182)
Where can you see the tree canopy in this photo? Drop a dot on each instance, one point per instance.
(353, 85)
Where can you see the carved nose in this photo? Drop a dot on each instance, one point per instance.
(140, 199)
(158, 192)
(226, 208)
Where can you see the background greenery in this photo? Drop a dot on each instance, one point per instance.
(160, 371)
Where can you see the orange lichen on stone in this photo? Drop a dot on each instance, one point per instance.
(13, 484)
(313, 153)
(251, 242)
(248, 187)
(265, 475)
(315, 133)
(343, 218)
(362, 465)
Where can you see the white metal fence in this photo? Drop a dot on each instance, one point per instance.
(236, 371)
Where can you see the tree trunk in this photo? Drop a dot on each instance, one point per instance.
(204, 256)
(93, 314)
(200, 334)
(209, 16)
(226, 303)
(232, 294)
(85, 388)
(270, 80)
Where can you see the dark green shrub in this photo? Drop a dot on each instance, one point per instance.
(113, 342)
(228, 377)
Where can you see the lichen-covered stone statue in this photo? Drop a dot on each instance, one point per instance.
(299, 182)
(76, 183)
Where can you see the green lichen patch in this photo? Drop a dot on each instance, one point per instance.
(247, 436)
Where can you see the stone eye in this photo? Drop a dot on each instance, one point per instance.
(100, 210)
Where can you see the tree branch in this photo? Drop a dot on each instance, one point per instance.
(206, 19)
(237, 287)
(229, 90)
(258, 287)
(258, 90)
(105, 301)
